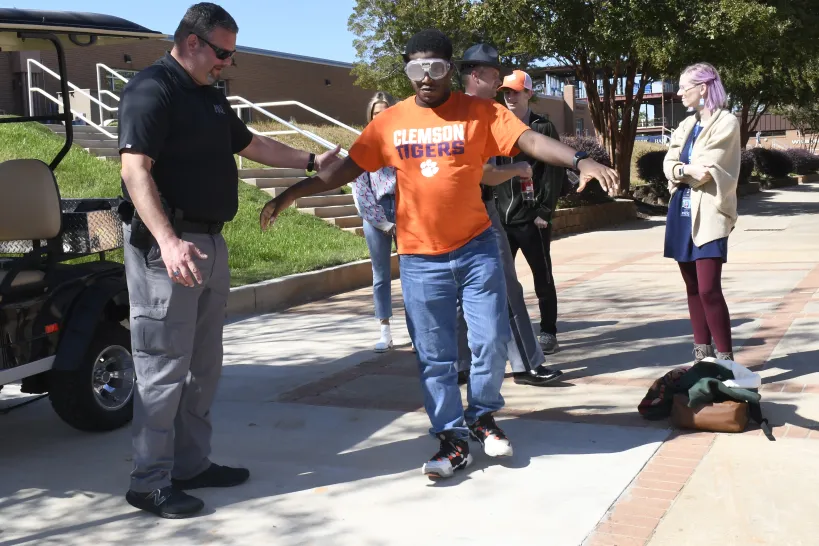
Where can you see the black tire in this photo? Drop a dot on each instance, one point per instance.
(72, 392)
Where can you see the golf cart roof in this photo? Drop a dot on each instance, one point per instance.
(74, 29)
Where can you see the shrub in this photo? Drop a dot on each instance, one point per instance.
(594, 192)
(589, 145)
(650, 167)
(653, 193)
(746, 166)
(771, 163)
(802, 160)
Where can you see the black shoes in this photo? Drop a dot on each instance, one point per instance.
(214, 476)
(452, 455)
(173, 503)
(168, 502)
(494, 441)
(537, 377)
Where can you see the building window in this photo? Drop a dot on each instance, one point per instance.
(114, 84)
(222, 86)
(579, 126)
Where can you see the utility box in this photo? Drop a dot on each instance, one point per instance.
(79, 102)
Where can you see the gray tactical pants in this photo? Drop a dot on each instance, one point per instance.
(525, 352)
(176, 337)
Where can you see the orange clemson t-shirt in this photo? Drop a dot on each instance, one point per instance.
(438, 154)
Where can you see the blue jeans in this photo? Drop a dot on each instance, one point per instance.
(380, 246)
(432, 286)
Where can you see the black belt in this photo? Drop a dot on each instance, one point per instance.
(189, 226)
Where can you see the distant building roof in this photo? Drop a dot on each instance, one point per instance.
(288, 56)
(292, 57)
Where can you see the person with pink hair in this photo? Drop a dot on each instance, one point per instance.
(702, 166)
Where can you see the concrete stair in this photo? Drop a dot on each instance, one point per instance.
(334, 206)
(355, 230)
(81, 129)
(98, 144)
(331, 212)
(347, 221)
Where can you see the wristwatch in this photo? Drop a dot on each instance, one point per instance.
(311, 163)
(578, 156)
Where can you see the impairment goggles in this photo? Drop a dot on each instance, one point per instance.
(221, 54)
(418, 69)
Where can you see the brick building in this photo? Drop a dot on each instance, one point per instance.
(569, 113)
(257, 75)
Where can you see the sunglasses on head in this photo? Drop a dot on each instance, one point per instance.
(418, 69)
(221, 54)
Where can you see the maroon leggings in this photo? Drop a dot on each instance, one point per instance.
(706, 304)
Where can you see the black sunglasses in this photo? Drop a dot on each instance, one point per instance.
(221, 54)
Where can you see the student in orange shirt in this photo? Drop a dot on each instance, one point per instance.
(438, 141)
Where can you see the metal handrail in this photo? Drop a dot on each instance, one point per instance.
(75, 112)
(32, 90)
(303, 106)
(71, 85)
(100, 90)
(244, 103)
(307, 134)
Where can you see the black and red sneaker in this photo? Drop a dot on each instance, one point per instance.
(453, 455)
(487, 433)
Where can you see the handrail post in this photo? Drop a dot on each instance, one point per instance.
(99, 93)
(30, 93)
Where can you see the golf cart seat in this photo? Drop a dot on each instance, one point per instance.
(29, 211)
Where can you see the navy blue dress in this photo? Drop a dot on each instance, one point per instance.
(679, 244)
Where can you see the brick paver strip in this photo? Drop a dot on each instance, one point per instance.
(777, 323)
(606, 268)
(634, 516)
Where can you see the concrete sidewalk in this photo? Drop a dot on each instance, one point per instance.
(335, 435)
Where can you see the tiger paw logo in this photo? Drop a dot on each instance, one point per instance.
(429, 168)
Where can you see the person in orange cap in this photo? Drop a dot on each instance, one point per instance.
(526, 206)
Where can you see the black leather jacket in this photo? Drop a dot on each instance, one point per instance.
(548, 181)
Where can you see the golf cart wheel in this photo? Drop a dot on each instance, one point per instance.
(99, 394)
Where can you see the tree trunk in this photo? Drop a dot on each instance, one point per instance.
(616, 125)
(748, 121)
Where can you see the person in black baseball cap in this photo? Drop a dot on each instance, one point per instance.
(481, 70)
(480, 74)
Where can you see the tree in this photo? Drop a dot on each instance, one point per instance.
(601, 39)
(615, 48)
(775, 63)
(610, 44)
(383, 28)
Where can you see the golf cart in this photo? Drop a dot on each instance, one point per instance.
(63, 322)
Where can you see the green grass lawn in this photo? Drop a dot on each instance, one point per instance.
(296, 243)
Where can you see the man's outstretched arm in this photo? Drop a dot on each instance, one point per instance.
(335, 176)
(554, 152)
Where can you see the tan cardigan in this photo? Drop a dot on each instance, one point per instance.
(714, 199)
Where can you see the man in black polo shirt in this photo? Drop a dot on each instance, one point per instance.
(177, 139)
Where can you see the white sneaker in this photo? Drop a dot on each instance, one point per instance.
(385, 343)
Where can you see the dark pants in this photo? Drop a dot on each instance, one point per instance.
(535, 243)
